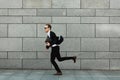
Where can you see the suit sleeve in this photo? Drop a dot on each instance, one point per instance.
(53, 38)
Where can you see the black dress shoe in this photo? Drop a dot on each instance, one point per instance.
(58, 73)
(74, 59)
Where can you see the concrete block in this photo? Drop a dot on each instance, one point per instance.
(36, 20)
(80, 12)
(66, 19)
(22, 30)
(94, 19)
(80, 30)
(3, 30)
(11, 44)
(69, 64)
(10, 3)
(36, 3)
(3, 12)
(66, 4)
(82, 55)
(36, 64)
(34, 44)
(109, 55)
(10, 19)
(114, 19)
(94, 44)
(94, 3)
(10, 63)
(114, 3)
(43, 55)
(114, 64)
(22, 12)
(95, 64)
(3, 54)
(71, 44)
(59, 29)
(107, 30)
(107, 12)
(21, 55)
(114, 44)
(51, 12)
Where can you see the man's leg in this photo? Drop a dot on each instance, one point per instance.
(64, 58)
(53, 56)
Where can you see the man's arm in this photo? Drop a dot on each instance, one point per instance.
(53, 38)
(47, 41)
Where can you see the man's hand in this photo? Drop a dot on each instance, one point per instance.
(48, 44)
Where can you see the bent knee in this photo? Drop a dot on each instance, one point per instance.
(59, 59)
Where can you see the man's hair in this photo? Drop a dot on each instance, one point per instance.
(49, 26)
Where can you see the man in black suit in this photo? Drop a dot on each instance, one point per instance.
(51, 41)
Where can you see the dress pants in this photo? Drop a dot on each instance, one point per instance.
(55, 53)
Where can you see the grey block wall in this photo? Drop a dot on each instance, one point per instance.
(91, 29)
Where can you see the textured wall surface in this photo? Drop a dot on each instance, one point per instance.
(91, 29)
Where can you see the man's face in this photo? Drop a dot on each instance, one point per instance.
(46, 28)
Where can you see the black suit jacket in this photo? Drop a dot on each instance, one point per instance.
(52, 39)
